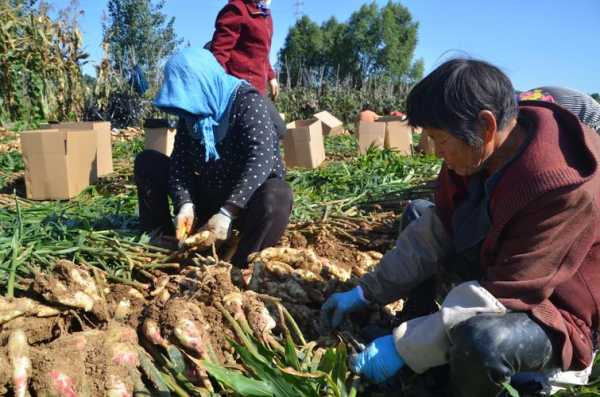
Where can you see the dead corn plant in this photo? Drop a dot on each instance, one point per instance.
(40, 64)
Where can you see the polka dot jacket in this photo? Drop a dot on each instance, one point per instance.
(249, 155)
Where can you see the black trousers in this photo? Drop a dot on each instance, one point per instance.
(261, 223)
(489, 350)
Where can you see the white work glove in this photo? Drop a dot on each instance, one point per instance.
(184, 221)
(274, 84)
(220, 224)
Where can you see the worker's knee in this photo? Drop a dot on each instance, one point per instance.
(415, 210)
(488, 350)
(276, 198)
(476, 344)
(150, 164)
(476, 360)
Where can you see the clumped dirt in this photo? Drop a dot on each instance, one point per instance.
(126, 304)
(193, 317)
(339, 254)
(82, 332)
(87, 363)
(4, 373)
(38, 330)
(347, 249)
(72, 286)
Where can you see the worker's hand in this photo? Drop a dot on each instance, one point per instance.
(274, 84)
(340, 304)
(220, 225)
(379, 361)
(184, 221)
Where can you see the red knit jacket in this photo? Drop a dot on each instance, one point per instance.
(242, 42)
(542, 252)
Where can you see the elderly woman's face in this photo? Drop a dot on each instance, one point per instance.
(461, 158)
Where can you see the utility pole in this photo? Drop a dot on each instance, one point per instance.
(298, 5)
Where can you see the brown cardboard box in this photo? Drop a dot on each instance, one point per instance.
(303, 144)
(370, 134)
(160, 136)
(59, 164)
(104, 163)
(398, 136)
(331, 125)
(389, 131)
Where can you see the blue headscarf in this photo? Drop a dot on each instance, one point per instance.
(197, 89)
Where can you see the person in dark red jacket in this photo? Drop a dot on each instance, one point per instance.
(242, 43)
(516, 220)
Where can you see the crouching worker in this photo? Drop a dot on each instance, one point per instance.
(225, 169)
(516, 217)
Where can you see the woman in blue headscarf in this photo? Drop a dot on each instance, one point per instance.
(226, 166)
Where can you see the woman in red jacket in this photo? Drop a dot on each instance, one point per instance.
(242, 43)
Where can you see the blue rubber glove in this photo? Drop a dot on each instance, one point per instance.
(340, 304)
(379, 361)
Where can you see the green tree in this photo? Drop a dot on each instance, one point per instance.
(374, 44)
(398, 41)
(139, 33)
(301, 52)
(365, 33)
(335, 49)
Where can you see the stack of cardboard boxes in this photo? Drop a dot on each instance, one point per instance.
(304, 147)
(63, 159)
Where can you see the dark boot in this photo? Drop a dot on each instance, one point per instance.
(487, 351)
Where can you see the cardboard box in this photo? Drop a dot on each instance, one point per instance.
(398, 136)
(389, 132)
(426, 144)
(103, 134)
(160, 135)
(331, 125)
(59, 163)
(370, 134)
(303, 144)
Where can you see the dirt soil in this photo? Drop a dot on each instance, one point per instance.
(87, 363)
(347, 248)
(38, 330)
(125, 299)
(75, 351)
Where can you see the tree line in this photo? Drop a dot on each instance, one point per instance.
(374, 43)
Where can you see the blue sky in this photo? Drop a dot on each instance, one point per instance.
(536, 42)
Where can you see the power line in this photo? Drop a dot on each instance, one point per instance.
(298, 6)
